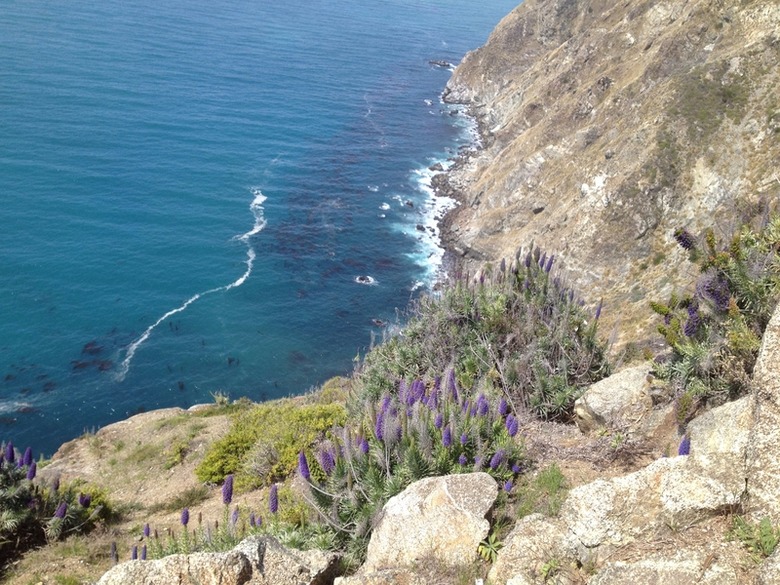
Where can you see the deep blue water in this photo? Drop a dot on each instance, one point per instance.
(189, 190)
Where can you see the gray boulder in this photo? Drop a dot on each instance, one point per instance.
(534, 541)
(719, 443)
(258, 560)
(230, 568)
(619, 402)
(274, 564)
(763, 462)
(604, 515)
(769, 571)
(384, 577)
(437, 517)
(683, 568)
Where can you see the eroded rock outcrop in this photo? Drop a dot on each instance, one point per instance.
(258, 560)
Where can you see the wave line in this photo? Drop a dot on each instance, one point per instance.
(256, 207)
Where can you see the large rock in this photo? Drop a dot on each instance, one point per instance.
(384, 577)
(437, 517)
(719, 443)
(258, 560)
(231, 568)
(604, 515)
(533, 542)
(274, 564)
(763, 462)
(683, 568)
(769, 571)
(618, 402)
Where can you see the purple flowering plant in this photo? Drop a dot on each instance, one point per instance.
(714, 330)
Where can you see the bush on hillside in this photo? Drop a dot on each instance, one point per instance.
(263, 443)
(32, 513)
(715, 332)
(420, 430)
(517, 331)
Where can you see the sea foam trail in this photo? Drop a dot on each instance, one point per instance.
(260, 222)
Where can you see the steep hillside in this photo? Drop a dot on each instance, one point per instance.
(606, 127)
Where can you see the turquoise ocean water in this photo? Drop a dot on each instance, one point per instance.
(189, 191)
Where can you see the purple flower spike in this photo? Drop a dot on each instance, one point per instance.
(258, 521)
(252, 519)
(685, 446)
(143, 553)
(303, 466)
(511, 425)
(326, 461)
(685, 239)
(693, 321)
(10, 455)
(516, 468)
(273, 499)
(364, 445)
(234, 517)
(598, 309)
(61, 510)
(227, 490)
(482, 405)
(464, 438)
(27, 458)
(503, 407)
(549, 265)
(508, 486)
(185, 517)
(446, 436)
(85, 500)
(497, 459)
(438, 421)
(452, 384)
(147, 530)
(134, 553)
(379, 430)
(462, 460)
(31, 471)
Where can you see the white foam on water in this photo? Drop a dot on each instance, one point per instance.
(384, 206)
(256, 207)
(14, 406)
(430, 253)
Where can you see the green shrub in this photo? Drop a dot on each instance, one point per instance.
(760, 539)
(518, 331)
(715, 332)
(263, 443)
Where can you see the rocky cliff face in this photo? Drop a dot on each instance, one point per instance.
(606, 126)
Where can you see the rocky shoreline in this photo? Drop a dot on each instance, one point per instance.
(459, 258)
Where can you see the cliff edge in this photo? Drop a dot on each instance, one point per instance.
(606, 127)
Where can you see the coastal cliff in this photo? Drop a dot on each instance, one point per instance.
(606, 127)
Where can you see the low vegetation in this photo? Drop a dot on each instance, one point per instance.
(32, 514)
(715, 332)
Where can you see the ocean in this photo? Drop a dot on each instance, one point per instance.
(202, 198)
